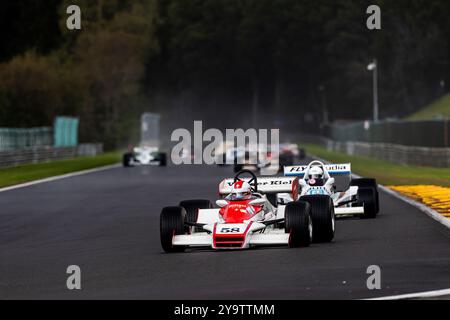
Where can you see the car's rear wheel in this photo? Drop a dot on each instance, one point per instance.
(367, 199)
(302, 154)
(126, 160)
(172, 224)
(192, 207)
(162, 160)
(286, 160)
(322, 215)
(238, 167)
(272, 197)
(298, 224)
(368, 183)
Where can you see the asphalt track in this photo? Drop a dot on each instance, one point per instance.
(108, 224)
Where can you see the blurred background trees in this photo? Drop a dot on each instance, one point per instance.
(214, 60)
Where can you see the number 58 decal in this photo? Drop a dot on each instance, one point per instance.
(230, 230)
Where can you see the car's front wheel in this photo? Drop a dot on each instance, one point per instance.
(298, 224)
(172, 224)
(368, 183)
(367, 198)
(192, 207)
(323, 218)
(127, 159)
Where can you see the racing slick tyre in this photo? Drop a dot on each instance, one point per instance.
(163, 160)
(171, 223)
(126, 160)
(238, 167)
(298, 224)
(322, 215)
(286, 160)
(302, 154)
(367, 198)
(368, 183)
(192, 207)
(272, 197)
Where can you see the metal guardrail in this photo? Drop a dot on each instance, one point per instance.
(401, 154)
(9, 158)
(35, 155)
(64, 134)
(428, 133)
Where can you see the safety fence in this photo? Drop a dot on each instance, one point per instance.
(12, 138)
(407, 155)
(10, 158)
(429, 133)
(63, 134)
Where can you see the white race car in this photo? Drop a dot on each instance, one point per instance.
(240, 223)
(144, 155)
(350, 196)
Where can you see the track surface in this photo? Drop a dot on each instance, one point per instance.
(108, 224)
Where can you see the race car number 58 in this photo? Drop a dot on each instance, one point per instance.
(230, 230)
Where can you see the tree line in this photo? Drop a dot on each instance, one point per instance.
(217, 60)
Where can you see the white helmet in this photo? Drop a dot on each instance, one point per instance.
(241, 190)
(315, 173)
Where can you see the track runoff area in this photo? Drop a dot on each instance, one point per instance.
(106, 222)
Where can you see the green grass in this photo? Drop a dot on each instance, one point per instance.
(385, 172)
(26, 173)
(438, 109)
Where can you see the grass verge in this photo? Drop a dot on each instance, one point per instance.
(31, 172)
(439, 108)
(385, 172)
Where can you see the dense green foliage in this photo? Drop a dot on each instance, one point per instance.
(213, 59)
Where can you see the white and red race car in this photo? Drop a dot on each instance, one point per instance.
(270, 217)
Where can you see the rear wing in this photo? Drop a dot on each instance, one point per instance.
(265, 185)
(333, 169)
(342, 174)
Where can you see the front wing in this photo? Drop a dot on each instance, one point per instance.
(203, 239)
(346, 211)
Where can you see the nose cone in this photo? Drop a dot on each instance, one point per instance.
(236, 213)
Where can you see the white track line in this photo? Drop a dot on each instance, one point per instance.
(430, 212)
(55, 178)
(420, 295)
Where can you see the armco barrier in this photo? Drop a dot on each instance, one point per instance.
(426, 133)
(89, 149)
(407, 155)
(10, 158)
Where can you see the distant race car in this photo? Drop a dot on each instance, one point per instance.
(255, 165)
(228, 156)
(349, 196)
(263, 215)
(144, 156)
(287, 154)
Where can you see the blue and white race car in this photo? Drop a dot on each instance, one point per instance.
(349, 196)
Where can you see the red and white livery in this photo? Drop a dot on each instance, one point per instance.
(251, 212)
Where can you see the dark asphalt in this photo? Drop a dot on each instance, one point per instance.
(108, 224)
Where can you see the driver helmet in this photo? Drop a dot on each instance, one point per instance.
(241, 191)
(315, 174)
